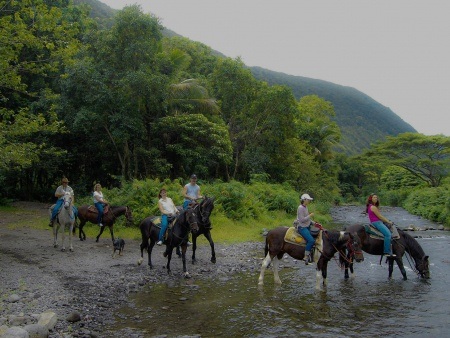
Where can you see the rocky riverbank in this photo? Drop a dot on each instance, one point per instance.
(48, 293)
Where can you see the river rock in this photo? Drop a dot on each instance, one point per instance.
(74, 317)
(13, 298)
(48, 319)
(16, 332)
(36, 331)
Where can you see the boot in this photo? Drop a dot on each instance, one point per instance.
(52, 221)
(307, 258)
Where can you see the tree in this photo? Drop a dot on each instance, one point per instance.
(425, 157)
(37, 38)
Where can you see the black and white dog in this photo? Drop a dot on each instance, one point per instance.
(119, 244)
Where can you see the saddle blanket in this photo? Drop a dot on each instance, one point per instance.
(374, 233)
(93, 209)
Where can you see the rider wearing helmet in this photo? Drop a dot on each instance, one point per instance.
(303, 223)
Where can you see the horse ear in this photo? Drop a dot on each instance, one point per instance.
(425, 258)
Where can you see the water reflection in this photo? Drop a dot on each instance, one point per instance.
(365, 306)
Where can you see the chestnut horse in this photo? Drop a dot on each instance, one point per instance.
(406, 243)
(85, 215)
(178, 235)
(333, 241)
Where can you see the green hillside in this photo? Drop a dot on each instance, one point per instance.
(362, 119)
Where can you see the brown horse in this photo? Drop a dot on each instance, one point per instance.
(405, 243)
(178, 235)
(86, 214)
(333, 241)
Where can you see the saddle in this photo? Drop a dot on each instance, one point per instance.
(93, 209)
(374, 233)
(293, 237)
(156, 220)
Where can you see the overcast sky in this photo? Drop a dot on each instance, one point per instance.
(397, 52)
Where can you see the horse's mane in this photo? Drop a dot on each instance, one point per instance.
(411, 245)
(333, 236)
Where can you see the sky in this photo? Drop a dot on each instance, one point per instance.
(397, 52)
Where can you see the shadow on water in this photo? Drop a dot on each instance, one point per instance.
(367, 305)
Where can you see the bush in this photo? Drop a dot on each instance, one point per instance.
(430, 203)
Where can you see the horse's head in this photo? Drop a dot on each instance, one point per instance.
(423, 266)
(67, 200)
(128, 215)
(354, 247)
(192, 218)
(206, 207)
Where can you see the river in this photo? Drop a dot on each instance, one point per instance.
(366, 305)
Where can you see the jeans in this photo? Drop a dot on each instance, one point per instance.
(58, 205)
(99, 207)
(186, 204)
(387, 236)
(164, 224)
(306, 234)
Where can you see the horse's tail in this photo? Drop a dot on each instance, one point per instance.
(266, 247)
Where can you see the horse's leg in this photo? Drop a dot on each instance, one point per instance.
(70, 237)
(55, 234)
(275, 267)
(321, 272)
(183, 258)
(391, 266)
(101, 231)
(150, 249)
(178, 252)
(63, 236)
(111, 230)
(264, 266)
(211, 243)
(194, 247)
(81, 233)
(168, 254)
(399, 261)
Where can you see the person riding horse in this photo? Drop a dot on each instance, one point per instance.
(99, 203)
(191, 192)
(168, 211)
(303, 223)
(60, 193)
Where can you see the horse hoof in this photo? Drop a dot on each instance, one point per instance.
(55, 245)
(139, 261)
(71, 249)
(187, 275)
(165, 254)
(63, 249)
(213, 260)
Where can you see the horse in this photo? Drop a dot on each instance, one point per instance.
(178, 235)
(333, 241)
(85, 215)
(204, 227)
(406, 243)
(64, 219)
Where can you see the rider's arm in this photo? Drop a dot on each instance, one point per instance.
(185, 195)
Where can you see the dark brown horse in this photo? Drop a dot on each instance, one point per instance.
(85, 215)
(406, 243)
(178, 235)
(204, 227)
(333, 241)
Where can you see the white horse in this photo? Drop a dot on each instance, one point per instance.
(65, 219)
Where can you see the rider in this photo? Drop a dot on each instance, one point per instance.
(59, 193)
(191, 191)
(303, 223)
(168, 210)
(377, 219)
(99, 202)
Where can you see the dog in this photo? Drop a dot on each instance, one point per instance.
(118, 244)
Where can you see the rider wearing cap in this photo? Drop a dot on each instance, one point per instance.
(59, 193)
(303, 223)
(191, 192)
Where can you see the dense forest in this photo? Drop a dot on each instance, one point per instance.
(118, 101)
